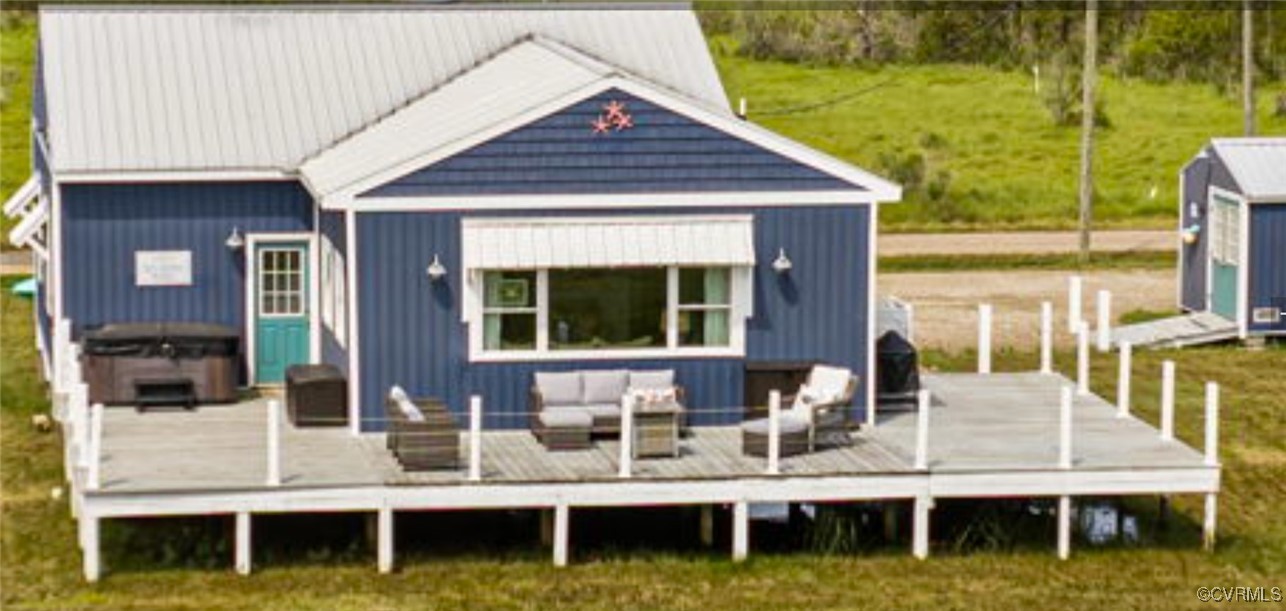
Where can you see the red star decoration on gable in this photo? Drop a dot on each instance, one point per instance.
(613, 118)
(601, 125)
(614, 110)
(623, 122)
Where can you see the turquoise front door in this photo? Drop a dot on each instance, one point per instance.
(1223, 290)
(281, 309)
(1225, 256)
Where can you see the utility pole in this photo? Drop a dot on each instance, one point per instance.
(1248, 65)
(1089, 79)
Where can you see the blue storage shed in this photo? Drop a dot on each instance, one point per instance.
(451, 200)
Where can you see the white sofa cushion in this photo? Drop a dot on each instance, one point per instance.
(829, 383)
(603, 386)
(566, 417)
(559, 388)
(659, 379)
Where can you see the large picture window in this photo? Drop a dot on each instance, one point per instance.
(565, 313)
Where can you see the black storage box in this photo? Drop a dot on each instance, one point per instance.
(316, 395)
(898, 366)
(179, 363)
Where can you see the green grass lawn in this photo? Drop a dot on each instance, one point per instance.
(164, 566)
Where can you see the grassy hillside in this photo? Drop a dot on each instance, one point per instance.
(1008, 164)
(17, 52)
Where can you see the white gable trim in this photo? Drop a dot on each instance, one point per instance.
(597, 201)
(192, 175)
(872, 188)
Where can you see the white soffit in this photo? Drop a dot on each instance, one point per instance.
(526, 243)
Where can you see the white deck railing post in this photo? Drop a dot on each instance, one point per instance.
(984, 338)
(95, 446)
(475, 438)
(1212, 424)
(922, 430)
(1046, 337)
(627, 436)
(1167, 401)
(1065, 428)
(774, 432)
(1074, 317)
(1083, 359)
(1123, 380)
(1104, 326)
(274, 443)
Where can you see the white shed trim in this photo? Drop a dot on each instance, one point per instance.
(23, 196)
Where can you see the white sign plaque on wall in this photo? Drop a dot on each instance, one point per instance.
(163, 268)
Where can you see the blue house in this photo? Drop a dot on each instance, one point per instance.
(1233, 221)
(448, 199)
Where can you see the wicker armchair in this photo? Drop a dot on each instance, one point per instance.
(431, 442)
(820, 423)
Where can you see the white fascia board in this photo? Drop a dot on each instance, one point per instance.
(23, 196)
(136, 176)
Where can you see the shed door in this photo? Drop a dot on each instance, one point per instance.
(1225, 256)
(281, 307)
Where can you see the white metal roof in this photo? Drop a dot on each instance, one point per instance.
(236, 88)
(1257, 164)
(524, 77)
(528, 243)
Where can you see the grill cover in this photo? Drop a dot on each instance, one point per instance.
(898, 364)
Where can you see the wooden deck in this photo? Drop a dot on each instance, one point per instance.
(979, 424)
(1177, 331)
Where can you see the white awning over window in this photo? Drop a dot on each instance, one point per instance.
(544, 243)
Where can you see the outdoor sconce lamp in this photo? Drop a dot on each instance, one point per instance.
(782, 264)
(437, 270)
(1190, 233)
(235, 241)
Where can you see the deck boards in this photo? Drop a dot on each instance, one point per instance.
(978, 423)
(1176, 331)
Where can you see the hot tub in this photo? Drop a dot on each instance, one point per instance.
(161, 363)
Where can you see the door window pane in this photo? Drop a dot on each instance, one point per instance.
(607, 308)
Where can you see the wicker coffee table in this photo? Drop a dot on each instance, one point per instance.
(656, 430)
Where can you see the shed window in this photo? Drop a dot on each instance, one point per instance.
(1225, 231)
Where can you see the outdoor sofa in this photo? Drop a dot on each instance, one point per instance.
(565, 403)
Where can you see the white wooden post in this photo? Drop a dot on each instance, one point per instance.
(1209, 522)
(707, 525)
(1212, 424)
(242, 552)
(1046, 337)
(384, 540)
(274, 443)
(1123, 380)
(89, 547)
(1065, 428)
(475, 438)
(1074, 317)
(740, 531)
(1104, 327)
(1064, 527)
(774, 432)
(627, 436)
(95, 446)
(984, 338)
(920, 527)
(1083, 359)
(922, 431)
(1167, 401)
(562, 525)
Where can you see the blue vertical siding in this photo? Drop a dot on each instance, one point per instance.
(1192, 261)
(1267, 263)
(332, 225)
(104, 225)
(412, 334)
(663, 152)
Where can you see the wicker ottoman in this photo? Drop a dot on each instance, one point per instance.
(565, 429)
(794, 437)
(316, 395)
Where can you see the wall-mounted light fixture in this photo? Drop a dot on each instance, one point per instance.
(782, 264)
(1190, 233)
(436, 270)
(235, 241)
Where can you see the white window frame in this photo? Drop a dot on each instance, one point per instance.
(1225, 230)
(334, 291)
(739, 298)
(302, 290)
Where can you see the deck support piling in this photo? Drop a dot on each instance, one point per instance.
(242, 551)
(475, 438)
(546, 527)
(984, 338)
(1209, 522)
(1167, 401)
(1083, 359)
(1104, 326)
(1074, 317)
(384, 540)
(89, 547)
(1064, 527)
(774, 432)
(1123, 380)
(920, 527)
(922, 431)
(740, 531)
(274, 443)
(707, 525)
(561, 526)
(1046, 337)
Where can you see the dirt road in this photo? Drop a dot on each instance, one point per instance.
(946, 304)
(1020, 242)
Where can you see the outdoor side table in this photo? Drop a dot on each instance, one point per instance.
(656, 430)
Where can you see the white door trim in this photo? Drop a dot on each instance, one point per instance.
(253, 241)
(1243, 254)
